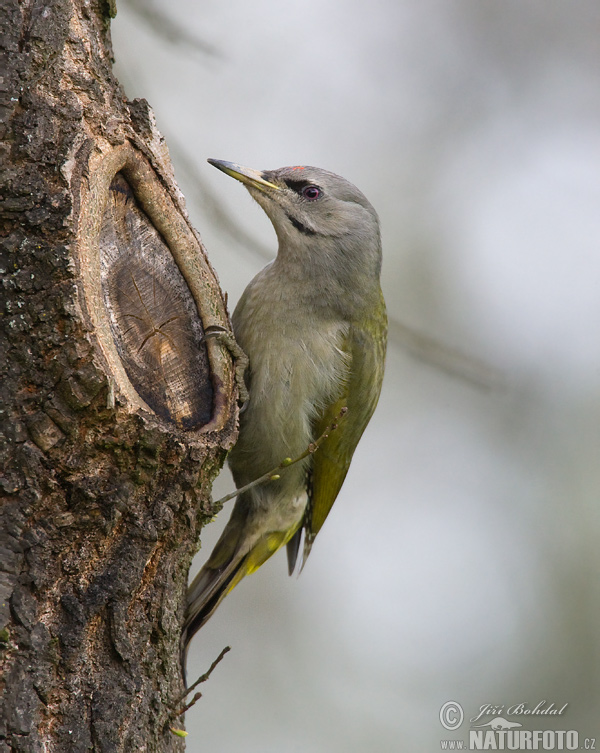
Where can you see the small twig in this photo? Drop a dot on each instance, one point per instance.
(183, 709)
(202, 678)
(273, 474)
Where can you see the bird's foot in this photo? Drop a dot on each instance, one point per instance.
(240, 359)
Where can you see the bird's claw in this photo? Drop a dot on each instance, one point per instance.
(240, 359)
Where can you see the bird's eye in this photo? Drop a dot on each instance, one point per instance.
(311, 192)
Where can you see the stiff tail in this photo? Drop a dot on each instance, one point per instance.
(293, 549)
(232, 559)
(223, 570)
(207, 591)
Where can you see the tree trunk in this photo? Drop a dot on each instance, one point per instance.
(117, 412)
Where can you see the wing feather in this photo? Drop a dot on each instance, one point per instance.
(365, 347)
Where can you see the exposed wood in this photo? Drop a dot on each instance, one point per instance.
(153, 318)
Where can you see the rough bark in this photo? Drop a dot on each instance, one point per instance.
(117, 415)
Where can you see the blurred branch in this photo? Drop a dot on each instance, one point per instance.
(449, 360)
(425, 348)
(169, 30)
(202, 193)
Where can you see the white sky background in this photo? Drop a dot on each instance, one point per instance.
(461, 558)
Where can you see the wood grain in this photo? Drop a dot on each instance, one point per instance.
(153, 318)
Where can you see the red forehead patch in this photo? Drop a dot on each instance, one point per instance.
(298, 167)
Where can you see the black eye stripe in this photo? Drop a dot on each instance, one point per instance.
(296, 185)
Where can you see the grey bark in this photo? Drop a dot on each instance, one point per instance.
(116, 415)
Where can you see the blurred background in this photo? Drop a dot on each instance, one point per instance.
(461, 560)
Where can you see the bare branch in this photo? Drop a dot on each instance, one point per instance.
(204, 196)
(169, 30)
(450, 360)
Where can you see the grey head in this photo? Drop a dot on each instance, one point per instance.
(315, 212)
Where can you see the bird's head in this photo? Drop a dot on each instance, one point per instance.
(311, 208)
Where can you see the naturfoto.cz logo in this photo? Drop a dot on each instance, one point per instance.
(500, 733)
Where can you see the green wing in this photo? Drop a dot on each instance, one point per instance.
(366, 346)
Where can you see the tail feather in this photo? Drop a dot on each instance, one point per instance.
(309, 540)
(241, 550)
(293, 547)
(205, 594)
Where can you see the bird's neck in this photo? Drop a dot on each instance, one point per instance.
(335, 274)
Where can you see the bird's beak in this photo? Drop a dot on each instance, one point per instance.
(245, 175)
